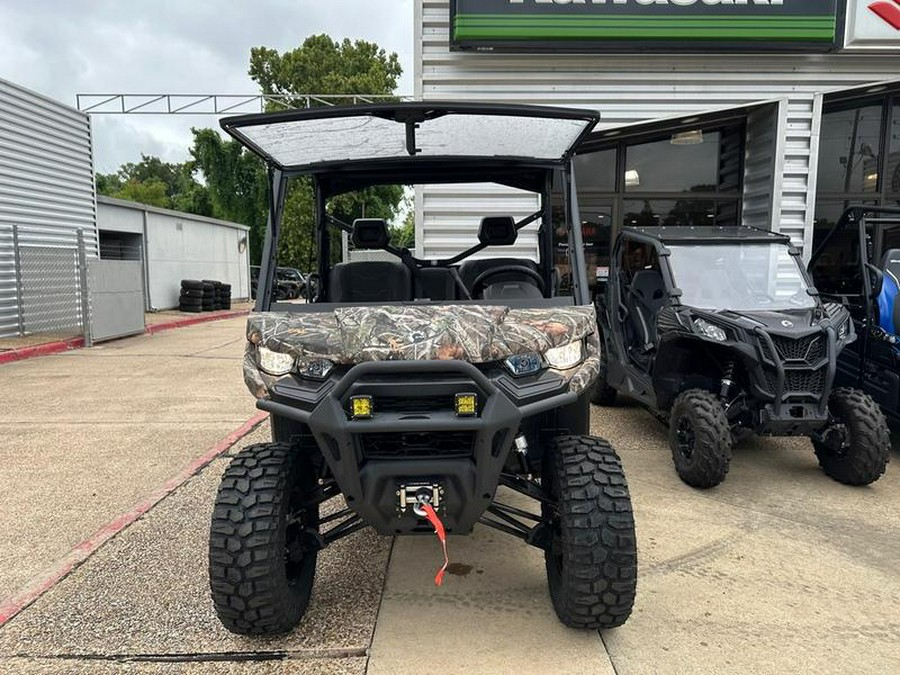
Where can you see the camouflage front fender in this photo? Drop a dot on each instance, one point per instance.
(476, 334)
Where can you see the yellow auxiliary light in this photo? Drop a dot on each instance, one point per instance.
(467, 405)
(361, 407)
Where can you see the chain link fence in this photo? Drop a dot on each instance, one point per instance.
(49, 293)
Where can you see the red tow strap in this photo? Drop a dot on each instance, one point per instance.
(438, 526)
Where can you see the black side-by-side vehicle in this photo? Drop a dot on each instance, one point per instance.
(416, 388)
(719, 332)
(856, 263)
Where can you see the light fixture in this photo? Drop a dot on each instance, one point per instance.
(694, 137)
(466, 405)
(361, 407)
(242, 244)
(632, 178)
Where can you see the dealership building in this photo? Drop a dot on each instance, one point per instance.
(767, 113)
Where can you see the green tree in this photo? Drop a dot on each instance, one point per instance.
(404, 235)
(151, 192)
(236, 182)
(325, 66)
(322, 65)
(157, 183)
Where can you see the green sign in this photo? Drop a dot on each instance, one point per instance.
(641, 25)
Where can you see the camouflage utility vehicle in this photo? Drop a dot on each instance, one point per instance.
(718, 331)
(414, 387)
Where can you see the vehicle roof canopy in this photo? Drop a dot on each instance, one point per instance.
(708, 235)
(351, 147)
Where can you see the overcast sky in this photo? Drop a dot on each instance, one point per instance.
(65, 47)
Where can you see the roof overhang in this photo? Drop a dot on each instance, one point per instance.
(671, 125)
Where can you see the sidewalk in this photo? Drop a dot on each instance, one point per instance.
(89, 433)
(44, 344)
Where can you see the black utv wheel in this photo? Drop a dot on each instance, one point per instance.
(262, 552)
(700, 438)
(592, 559)
(856, 449)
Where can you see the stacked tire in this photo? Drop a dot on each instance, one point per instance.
(192, 294)
(209, 295)
(223, 296)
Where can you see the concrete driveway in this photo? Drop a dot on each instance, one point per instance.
(777, 570)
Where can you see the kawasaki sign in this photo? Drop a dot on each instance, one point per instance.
(641, 25)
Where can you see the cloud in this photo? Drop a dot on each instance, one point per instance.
(64, 47)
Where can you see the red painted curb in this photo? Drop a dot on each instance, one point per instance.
(11, 606)
(180, 323)
(40, 350)
(76, 343)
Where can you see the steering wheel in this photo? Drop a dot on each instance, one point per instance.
(480, 282)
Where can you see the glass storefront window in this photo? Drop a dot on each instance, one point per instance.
(849, 150)
(596, 171)
(685, 162)
(672, 212)
(892, 165)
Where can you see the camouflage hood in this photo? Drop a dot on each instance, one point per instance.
(477, 334)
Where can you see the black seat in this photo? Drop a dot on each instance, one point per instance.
(369, 281)
(435, 283)
(889, 298)
(505, 284)
(644, 297)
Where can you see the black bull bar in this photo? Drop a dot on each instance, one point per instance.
(370, 487)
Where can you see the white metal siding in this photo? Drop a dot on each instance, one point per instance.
(762, 148)
(182, 248)
(46, 182)
(632, 88)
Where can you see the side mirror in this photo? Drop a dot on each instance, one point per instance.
(876, 279)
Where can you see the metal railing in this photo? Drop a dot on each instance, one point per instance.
(217, 104)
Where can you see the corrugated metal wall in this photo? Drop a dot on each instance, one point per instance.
(632, 88)
(46, 182)
(760, 163)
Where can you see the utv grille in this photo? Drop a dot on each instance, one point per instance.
(810, 349)
(406, 404)
(809, 382)
(444, 444)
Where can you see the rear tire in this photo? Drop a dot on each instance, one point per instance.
(261, 566)
(592, 560)
(865, 455)
(700, 438)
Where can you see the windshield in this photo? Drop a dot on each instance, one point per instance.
(739, 277)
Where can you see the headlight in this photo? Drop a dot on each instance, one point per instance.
(710, 330)
(315, 370)
(565, 357)
(275, 363)
(521, 365)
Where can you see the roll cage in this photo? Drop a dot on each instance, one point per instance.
(341, 167)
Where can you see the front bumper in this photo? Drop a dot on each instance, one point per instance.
(797, 373)
(408, 444)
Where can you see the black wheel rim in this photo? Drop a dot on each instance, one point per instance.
(296, 539)
(684, 437)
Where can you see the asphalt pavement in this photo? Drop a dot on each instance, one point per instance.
(779, 569)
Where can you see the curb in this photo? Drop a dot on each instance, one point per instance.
(190, 321)
(49, 348)
(63, 567)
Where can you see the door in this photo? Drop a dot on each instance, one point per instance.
(840, 273)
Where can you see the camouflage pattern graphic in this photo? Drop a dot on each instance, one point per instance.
(476, 334)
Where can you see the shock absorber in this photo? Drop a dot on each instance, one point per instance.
(727, 382)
